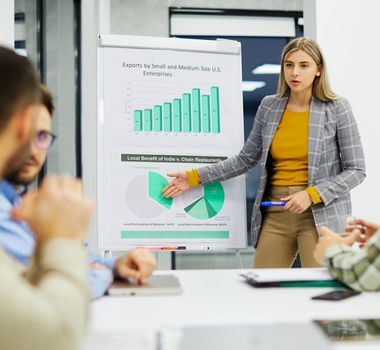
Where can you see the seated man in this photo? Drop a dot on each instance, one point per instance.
(46, 306)
(359, 269)
(16, 237)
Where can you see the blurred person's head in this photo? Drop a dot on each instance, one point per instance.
(305, 55)
(18, 94)
(40, 143)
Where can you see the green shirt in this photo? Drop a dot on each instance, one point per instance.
(358, 269)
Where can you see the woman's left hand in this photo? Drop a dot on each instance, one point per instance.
(298, 202)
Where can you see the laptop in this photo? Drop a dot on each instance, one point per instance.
(154, 285)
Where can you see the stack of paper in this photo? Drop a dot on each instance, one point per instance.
(305, 277)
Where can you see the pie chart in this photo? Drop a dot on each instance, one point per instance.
(143, 195)
(208, 205)
(156, 183)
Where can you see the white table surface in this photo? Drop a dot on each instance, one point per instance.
(222, 295)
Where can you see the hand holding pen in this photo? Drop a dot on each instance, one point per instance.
(296, 203)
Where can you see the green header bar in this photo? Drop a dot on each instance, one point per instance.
(174, 234)
(163, 158)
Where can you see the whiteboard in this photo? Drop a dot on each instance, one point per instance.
(166, 105)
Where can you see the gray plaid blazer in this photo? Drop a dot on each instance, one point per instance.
(335, 156)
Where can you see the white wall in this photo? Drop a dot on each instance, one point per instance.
(95, 20)
(60, 78)
(7, 22)
(348, 32)
(151, 17)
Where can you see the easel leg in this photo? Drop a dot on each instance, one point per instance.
(107, 254)
(239, 259)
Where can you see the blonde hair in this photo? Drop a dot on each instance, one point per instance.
(321, 87)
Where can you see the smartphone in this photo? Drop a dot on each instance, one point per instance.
(336, 295)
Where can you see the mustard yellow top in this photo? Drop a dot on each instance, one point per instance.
(289, 151)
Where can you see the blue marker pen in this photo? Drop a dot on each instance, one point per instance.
(272, 204)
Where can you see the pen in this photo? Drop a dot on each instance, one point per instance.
(173, 248)
(167, 248)
(272, 204)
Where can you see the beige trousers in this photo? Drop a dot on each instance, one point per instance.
(284, 234)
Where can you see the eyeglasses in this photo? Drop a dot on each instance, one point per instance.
(44, 139)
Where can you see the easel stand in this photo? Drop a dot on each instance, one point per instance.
(239, 259)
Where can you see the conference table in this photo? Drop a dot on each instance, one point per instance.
(212, 296)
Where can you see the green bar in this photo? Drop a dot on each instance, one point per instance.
(186, 112)
(137, 120)
(157, 112)
(177, 114)
(205, 113)
(167, 117)
(311, 284)
(215, 110)
(174, 234)
(196, 109)
(147, 120)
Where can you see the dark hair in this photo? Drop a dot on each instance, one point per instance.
(18, 84)
(46, 99)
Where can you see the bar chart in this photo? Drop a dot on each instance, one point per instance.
(192, 112)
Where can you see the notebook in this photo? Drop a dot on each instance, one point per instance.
(305, 277)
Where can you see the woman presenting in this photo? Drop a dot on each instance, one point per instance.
(307, 143)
